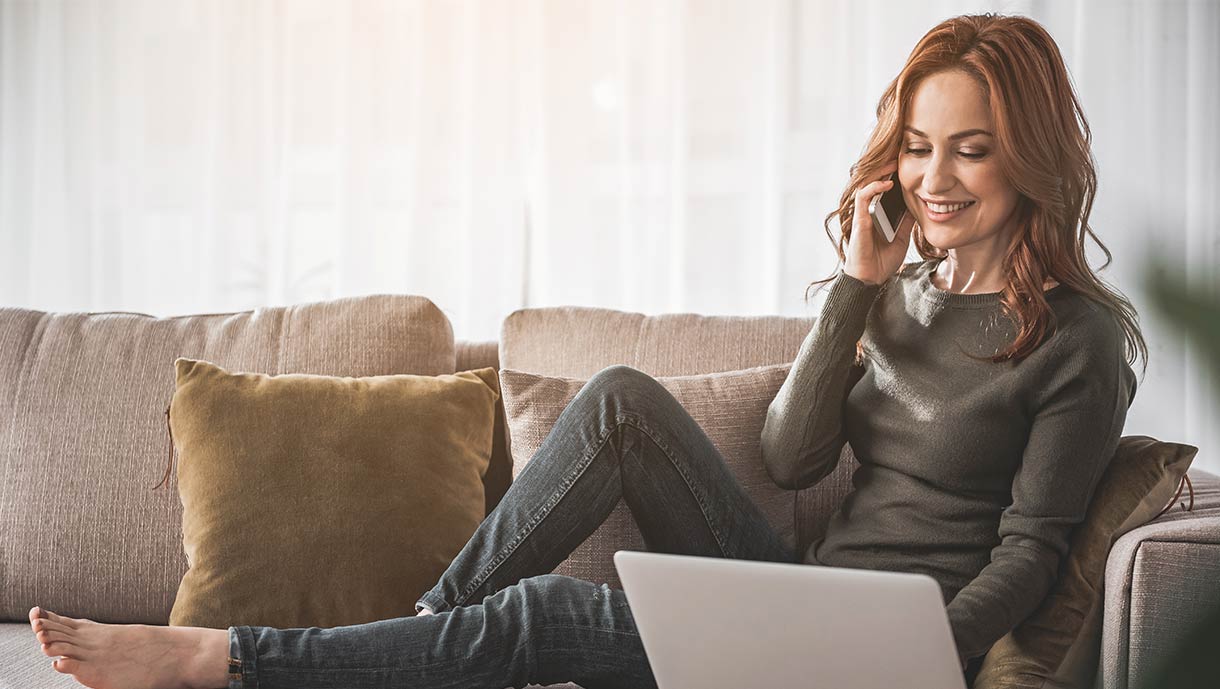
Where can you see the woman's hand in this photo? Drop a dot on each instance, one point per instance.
(870, 258)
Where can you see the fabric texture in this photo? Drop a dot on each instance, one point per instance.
(1010, 484)
(728, 406)
(576, 341)
(1151, 601)
(1058, 645)
(321, 501)
(83, 433)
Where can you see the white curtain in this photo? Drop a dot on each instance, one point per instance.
(191, 156)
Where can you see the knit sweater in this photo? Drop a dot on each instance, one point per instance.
(972, 472)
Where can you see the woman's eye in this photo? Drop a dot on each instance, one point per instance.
(921, 151)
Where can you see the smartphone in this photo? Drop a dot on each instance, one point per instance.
(887, 209)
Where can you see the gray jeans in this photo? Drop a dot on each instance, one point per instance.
(501, 619)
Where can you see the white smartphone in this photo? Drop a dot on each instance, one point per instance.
(887, 209)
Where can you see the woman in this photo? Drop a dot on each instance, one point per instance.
(983, 390)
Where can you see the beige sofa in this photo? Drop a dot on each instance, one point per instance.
(83, 441)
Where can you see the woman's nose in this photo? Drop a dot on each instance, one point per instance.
(938, 177)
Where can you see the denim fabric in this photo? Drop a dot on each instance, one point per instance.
(501, 619)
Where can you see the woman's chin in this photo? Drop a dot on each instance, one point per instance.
(937, 239)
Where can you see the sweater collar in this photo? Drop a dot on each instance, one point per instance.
(936, 295)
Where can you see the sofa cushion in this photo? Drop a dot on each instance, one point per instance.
(580, 341)
(321, 501)
(1057, 645)
(730, 407)
(83, 433)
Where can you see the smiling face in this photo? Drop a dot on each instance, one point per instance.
(937, 163)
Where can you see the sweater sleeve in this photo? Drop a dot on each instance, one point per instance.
(1078, 418)
(803, 433)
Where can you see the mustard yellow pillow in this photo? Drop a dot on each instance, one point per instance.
(324, 501)
(1058, 645)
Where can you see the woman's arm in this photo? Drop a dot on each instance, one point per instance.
(1075, 431)
(803, 434)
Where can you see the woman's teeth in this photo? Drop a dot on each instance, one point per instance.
(940, 208)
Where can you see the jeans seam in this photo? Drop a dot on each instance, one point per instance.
(642, 426)
(593, 629)
(564, 486)
(248, 662)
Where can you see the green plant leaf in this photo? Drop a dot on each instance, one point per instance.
(1196, 311)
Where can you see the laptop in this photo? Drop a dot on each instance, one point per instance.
(713, 623)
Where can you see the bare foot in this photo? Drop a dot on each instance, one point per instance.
(133, 656)
(423, 612)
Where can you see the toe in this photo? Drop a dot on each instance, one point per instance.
(35, 613)
(60, 648)
(50, 626)
(66, 621)
(47, 636)
(68, 666)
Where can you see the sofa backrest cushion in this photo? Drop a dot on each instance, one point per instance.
(580, 341)
(83, 433)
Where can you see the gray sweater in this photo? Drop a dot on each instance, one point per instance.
(971, 472)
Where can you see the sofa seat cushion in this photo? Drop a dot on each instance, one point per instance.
(83, 433)
(730, 407)
(25, 666)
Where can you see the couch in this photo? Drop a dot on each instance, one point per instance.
(83, 440)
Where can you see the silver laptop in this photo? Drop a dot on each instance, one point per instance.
(712, 623)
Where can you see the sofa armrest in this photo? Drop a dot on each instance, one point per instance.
(1160, 582)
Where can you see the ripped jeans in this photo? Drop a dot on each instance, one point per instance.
(501, 620)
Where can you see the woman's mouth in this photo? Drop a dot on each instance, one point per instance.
(947, 211)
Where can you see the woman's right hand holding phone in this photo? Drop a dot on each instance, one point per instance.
(870, 258)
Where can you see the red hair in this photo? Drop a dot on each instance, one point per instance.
(1043, 144)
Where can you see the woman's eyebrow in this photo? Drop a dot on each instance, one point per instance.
(952, 137)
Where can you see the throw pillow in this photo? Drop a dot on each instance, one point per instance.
(730, 407)
(324, 501)
(1058, 645)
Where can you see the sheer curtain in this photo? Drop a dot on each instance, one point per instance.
(175, 156)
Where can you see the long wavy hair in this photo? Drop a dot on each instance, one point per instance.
(1044, 151)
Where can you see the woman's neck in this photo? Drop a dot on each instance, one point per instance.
(952, 276)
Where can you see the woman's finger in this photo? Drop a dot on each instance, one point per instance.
(865, 194)
(868, 191)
